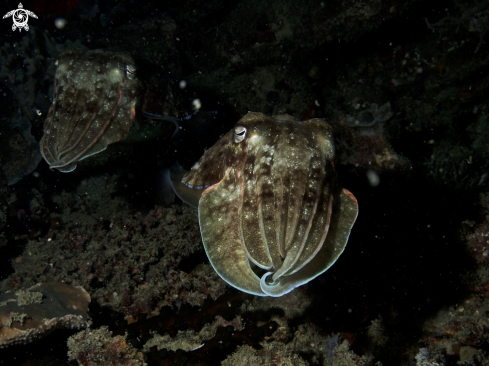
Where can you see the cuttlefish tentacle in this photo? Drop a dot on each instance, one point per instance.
(250, 225)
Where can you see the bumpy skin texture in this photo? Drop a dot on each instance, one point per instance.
(270, 196)
(94, 105)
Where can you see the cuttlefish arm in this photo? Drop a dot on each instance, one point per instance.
(218, 222)
(345, 212)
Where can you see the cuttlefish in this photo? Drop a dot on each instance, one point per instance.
(268, 200)
(100, 97)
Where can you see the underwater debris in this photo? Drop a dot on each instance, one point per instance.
(97, 347)
(29, 315)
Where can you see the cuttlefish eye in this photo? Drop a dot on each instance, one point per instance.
(239, 133)
(130, 71)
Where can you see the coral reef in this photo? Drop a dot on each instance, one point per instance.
(342, 355)
(322, 350)
(127, 262)
(28, 69)
(292, 304)
(97, 347)
(369, 117)
(459, 326)
(459, 167)
(28, 315)
(272, 354)
(461, 331)
(430, 357)
(332, 21)
(478, 238)
(376, 331)
(189, 340)
(364, 142)
(473, 19)
(22, 155)
(3, 207)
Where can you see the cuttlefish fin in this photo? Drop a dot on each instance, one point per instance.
(172, 182)
(345, 211)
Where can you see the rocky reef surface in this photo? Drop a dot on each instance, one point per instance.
(405, 87)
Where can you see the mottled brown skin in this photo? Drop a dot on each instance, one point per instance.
(270, 196)
(95, 99)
